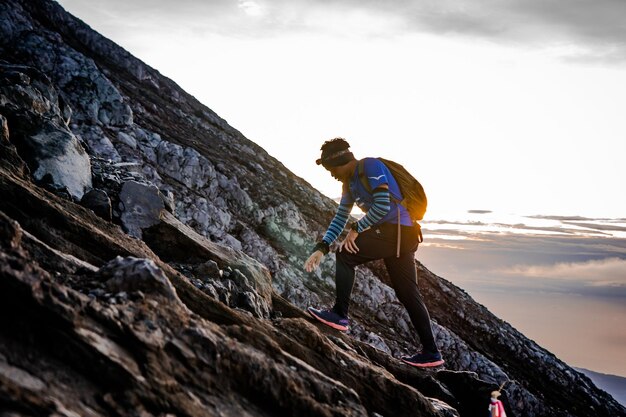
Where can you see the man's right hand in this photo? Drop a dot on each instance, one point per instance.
(313, 262)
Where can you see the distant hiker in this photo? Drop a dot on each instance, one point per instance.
(496, 408)
(386, 232)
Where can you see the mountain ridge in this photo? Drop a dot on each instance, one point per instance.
(227, 225)
(613, 384)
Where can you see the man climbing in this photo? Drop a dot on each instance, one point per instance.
(385, 232)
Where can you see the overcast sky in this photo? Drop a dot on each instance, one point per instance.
(595, 25)
(505, 105)
(561, 281)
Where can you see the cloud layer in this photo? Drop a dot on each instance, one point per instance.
(582, 28)
(602, 277)
(559, 254)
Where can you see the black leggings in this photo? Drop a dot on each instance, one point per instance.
(380, 242)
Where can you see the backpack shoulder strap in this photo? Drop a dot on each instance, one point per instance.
(360, 169)
(362, 177)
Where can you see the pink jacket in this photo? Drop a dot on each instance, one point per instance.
(497, 409)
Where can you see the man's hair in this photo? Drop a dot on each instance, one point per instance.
(334, 145)
(335, 153)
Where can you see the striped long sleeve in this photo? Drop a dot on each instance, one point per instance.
(338, 224)
(380, 208)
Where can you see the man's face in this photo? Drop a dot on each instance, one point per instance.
(340, 173)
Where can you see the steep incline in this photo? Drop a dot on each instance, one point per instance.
(201, 314)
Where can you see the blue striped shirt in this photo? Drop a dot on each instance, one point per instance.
(378, 210)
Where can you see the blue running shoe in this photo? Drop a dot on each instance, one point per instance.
(330, 318)
(424, 359)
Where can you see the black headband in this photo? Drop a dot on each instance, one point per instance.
(336, 159)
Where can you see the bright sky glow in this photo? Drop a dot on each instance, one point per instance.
(514, 127)
(251, 8)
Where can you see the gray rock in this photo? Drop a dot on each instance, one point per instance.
(231, 241)
(376, 341)
(210, 290)
(210, 219)
(135, 274)
(93, 97)
(127, 140)
(147, 142)
(208, 269)
(141, 207)
(18, 91)
(98, 201)
(240, 279)
(99, 143)
(259, 249)
(66, 111)
(249, 301)
(236, 291)
(57, 152)
(238, 198)
(442, 408)
(168, 200)
(185, 165)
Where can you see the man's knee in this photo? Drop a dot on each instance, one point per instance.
(342, 257)
(346, 258)
(409, 295)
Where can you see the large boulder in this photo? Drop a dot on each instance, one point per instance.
(99, 202)
(141, 206)
(55, 156)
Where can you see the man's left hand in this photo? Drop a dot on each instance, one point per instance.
(349, 242)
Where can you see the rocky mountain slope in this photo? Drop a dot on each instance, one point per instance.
(150, 264)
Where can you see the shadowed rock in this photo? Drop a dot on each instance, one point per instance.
(10, 232)
(134, 274)
(98, 201)
(141, 355)
(4, 130)
(141, 207)
(241, 282)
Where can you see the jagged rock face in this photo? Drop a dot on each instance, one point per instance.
(123, 275)
(229, 228)
(134, 337)
(51, 150)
